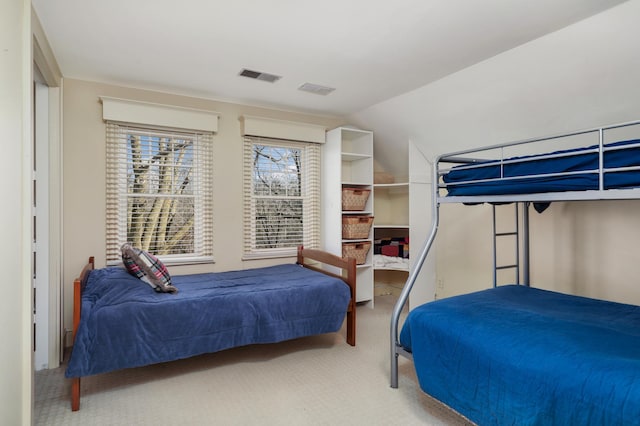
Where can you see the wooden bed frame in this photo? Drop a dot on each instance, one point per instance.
(308, 258)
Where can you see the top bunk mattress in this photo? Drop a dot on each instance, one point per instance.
(558, 171)
(520, 355)
(124, 323)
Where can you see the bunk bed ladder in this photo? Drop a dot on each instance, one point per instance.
(515, 234)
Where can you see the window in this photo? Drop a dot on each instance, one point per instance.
(159, 194)
(281, 197)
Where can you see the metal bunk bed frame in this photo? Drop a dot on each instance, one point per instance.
(462, 158)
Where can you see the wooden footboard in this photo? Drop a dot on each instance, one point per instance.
(349, 276)
(78, 285)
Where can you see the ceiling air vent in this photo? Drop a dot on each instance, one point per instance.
(257, 75)
(316, 89)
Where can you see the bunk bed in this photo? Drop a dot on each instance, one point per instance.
(515, 354)
(118, 322)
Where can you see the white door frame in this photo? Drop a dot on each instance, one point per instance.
(40, 214)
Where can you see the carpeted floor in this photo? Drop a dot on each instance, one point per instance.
(318, 380)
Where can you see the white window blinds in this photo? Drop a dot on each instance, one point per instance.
(159, 195)
(281, 196)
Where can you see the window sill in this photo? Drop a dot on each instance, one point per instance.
(187, 261)
(272, 254)
(176, 261)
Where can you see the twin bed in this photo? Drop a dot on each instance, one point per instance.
(119, 322)
(515, 354)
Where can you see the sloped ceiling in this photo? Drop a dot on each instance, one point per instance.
(369, 51)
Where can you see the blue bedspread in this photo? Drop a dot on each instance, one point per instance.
(515, 355)
(124, 323)
(580, 161)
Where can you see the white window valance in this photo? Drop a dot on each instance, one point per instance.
(281, 129)
(147, 113)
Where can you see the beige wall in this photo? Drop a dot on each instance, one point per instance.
(585, 248)
(84, 176)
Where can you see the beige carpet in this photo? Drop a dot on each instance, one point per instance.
(318, 380)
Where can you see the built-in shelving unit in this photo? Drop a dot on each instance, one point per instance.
(353, 150)
(391, 227)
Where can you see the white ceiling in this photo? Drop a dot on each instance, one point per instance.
(369, 50)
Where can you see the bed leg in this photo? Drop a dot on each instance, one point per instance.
(75, 394)
(351, 325)
(394, 370)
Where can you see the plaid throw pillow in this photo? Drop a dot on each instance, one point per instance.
(148, 268)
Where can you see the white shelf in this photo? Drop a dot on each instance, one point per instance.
(347, 161)
(357, 212)
(377, 268)
(392, 185)
(351, 156)
(358, 183)
(391, 226)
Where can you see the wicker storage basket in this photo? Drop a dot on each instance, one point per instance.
(356, 250)
(356, 227)
(354, 198)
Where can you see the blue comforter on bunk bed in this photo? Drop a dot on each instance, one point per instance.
(124, 323)
(522, 181)
(525, 356)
